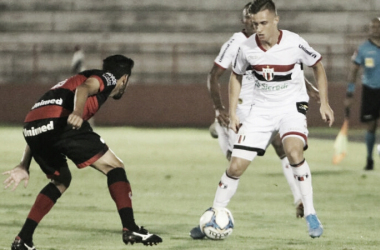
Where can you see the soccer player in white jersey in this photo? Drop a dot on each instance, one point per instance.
(226, 137)
(279, 105)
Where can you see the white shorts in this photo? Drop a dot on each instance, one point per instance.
(262, 124)
(242, 113)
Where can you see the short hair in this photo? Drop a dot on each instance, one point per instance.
(260, 5)
(118, 65)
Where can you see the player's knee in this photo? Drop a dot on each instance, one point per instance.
(294, 155)
(63, 180)
(235, 169)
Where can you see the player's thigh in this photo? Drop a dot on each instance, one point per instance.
(107, 162)
(294, 124)
(47, 156)
(254, 136)
(82, 146)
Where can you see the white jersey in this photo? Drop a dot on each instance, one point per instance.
(225, 59)
(279, 78)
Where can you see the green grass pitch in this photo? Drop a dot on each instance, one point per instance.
(174, 174)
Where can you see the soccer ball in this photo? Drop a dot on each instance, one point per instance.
(217, 223)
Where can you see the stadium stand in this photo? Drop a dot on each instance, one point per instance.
(172, 41)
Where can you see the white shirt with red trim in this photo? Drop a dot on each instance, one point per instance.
(224, 60)
(279, 77)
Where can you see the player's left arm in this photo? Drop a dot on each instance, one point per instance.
(312, 91)
(90, 87)
(320, 76)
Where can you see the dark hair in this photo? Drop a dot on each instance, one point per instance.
(118, 65)
(260, 5)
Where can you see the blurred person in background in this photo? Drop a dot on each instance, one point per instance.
(56, 128)
(367, 57)
(77, 62)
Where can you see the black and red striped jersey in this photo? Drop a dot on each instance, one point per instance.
(58, 102)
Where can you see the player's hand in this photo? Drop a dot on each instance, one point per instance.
(327, 114)
(234, 123)
(16, 175)
(75, 120)
(222, 117)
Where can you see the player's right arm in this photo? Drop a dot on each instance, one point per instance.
(214, 90)
(90, 87)
(321, 79)
(234, 92)
(20, 172)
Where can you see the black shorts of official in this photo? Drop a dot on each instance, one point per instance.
(51, 147)
(370, 107)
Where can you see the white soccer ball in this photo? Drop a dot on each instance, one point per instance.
(217, 223)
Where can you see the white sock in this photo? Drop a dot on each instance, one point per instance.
(222, 137)
(288, 172)
(303, 180)
(226, 189)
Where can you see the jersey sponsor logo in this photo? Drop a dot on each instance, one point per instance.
(36, 131)
(269, 87)
(307, 52)
(48, 102)
(110, 79)
(268, 73)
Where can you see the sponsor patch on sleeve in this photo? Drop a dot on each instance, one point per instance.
(110, 79)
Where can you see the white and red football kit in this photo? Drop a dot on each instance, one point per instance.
(280, 99)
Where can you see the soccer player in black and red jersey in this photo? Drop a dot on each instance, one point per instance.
(56, 128)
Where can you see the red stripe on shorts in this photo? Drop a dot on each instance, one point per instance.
(94, 158)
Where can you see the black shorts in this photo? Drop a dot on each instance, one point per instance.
(51, 141)
(370, 107)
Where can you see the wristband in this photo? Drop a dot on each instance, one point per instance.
(351, 87)
(217, 113)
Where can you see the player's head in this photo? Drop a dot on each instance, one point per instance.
(265, 18)
(121, 67)
(374, 28)
(246, 19)
(118, 65)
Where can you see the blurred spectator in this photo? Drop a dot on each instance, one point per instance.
(77, 63)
